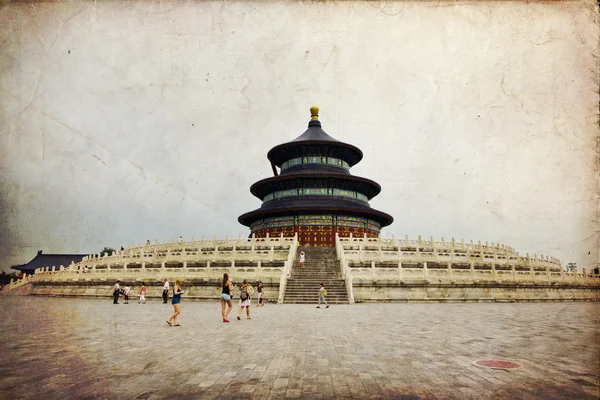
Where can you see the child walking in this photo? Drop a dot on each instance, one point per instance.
(302, 258)
(259, 290)
(142, 294)
(126, 291)
(322, 294)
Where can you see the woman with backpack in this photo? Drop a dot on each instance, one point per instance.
(245, 299)
(226, 287)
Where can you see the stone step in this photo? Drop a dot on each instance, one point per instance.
(321, 266)
(300, 285)
(315, 291)
(314, 302)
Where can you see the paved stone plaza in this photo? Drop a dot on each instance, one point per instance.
(84, 348)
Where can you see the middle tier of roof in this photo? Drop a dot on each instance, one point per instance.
(316, 179)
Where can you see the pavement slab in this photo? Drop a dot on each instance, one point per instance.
(55, 348)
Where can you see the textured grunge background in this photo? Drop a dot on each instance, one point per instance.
(122, 121)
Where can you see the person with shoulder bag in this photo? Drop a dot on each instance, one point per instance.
(245, 291)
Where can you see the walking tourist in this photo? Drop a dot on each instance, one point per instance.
(259, 290)
(142, 294)
(116, 293)
(245, 299)
(227, 288)
(322, 294)
(126, 291)
(165, 294)
(180, 239)
(302, 257)
(177, 292)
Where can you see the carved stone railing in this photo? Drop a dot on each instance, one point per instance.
(346, 272)
(14, 284)
(242, 258)
(447, 262)
(287, 269)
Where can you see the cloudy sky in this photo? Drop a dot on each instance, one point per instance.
(127, 121)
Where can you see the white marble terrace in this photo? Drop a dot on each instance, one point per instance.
(446, 262)
(269, 258)
(361, 259)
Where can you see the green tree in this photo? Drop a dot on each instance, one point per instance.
(5, 278)
(108, 250)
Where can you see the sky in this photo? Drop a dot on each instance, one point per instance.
(127, 121)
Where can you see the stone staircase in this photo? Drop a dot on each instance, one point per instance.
(321, 266)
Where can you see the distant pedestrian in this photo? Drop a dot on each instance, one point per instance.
(227, 288)
(126, 291)
(122, 248)
(147, 242)
(176, 300)
(142, 294)
(165, 294)
(302, 258)
(259, 290)
(322, 294)
(116, 292)
(245, 299)
(180, 239)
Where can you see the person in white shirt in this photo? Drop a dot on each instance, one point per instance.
(165, 294)
(116, 293)
(126, 291)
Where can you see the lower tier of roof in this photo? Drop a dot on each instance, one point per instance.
(315, 205)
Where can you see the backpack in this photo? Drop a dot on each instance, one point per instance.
(325, 292)
(244, 295)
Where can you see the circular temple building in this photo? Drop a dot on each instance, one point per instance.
(314, 194)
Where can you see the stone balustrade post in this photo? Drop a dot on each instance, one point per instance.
(472, 270)
(494, 273)
(425, 271)
(531, 271)
(400, 271)
(449, 267)
(513, 271)
(548, 273)
(373, 270)
(360, 251)
(272, 252)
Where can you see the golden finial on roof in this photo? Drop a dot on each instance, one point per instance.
(314, 113)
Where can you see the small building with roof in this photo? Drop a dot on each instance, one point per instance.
(42, 260)
(314, 194)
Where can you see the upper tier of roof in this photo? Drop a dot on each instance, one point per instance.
(314, 141)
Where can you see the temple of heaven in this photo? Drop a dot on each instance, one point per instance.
(314, 194)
